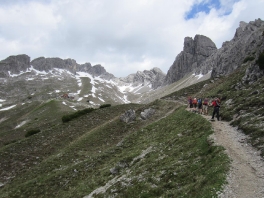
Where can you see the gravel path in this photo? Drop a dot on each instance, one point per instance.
(246, 177)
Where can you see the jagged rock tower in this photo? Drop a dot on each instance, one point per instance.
(194, 53)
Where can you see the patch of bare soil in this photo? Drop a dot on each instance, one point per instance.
(246, 177)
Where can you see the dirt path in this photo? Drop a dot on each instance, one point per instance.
(246, 177)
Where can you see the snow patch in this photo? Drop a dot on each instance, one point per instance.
(80, 99)
(7, 108)
(73, 108)
(108, 86)
(64, 103)
(21, 124)
(123, 99)
(198, 76)
(101, 99)
(91, 102)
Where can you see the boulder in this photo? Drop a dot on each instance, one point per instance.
(147, 113)
(128, 116)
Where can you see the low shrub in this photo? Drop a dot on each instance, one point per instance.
(104, 106)
(260, 61)
(249, 58)
(67, 118)
(32, 132)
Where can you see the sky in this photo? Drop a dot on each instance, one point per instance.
(124, 36)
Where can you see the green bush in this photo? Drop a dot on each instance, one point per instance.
(249, 58)
(10, 142)
(104, 106)
(67, 118)
(260, 61)
(32, 132)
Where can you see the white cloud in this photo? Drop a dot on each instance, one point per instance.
(123, 36)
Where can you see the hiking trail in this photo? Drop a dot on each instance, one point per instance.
(246, 176)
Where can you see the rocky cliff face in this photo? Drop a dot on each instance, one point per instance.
(195, 52)
(248, 42)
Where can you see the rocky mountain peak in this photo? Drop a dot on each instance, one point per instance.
(14, 64)
(157, 70)
(153, 77)
(248, 41)
(195, 51)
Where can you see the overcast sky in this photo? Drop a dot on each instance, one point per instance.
(124, 36)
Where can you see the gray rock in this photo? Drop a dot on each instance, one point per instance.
(147, 113)
(128, 116)
(120, 165)
(114, 170)
(195, 52)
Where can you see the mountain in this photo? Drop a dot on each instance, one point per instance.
(48, 78)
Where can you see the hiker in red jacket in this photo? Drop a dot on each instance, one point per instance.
(216, 105)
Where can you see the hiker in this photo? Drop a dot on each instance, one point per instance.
(216, 105)
(190, 102)
(194, 104)
(200, 105)
(205, 106)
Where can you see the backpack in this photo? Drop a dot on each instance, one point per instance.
(218, 102)
(199, 101)
(205, 102)
(194, 101)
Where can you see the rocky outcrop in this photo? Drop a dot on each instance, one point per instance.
(195, 52)
(248, 42)
(14, 65)
(147, 113)
(128, 116)
(153, 77)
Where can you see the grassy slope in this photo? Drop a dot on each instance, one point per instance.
(73, 159)
(38, 115)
